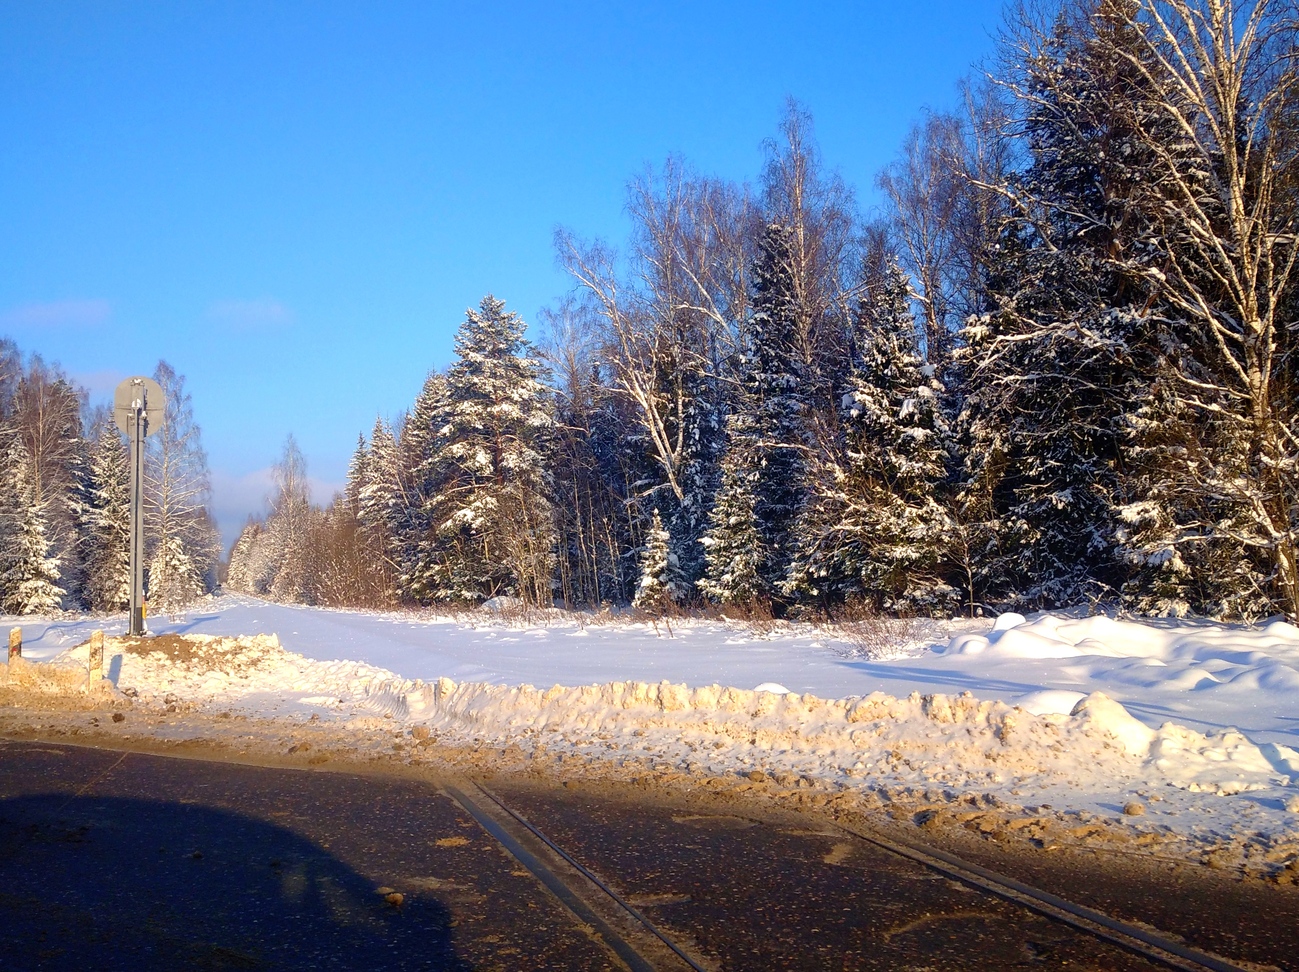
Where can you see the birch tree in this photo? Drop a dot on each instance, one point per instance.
(667, 327)
(289, 525)
(1220, 75)
(182, 541)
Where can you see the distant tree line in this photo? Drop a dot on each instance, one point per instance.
(64, 497)
(1058, 368)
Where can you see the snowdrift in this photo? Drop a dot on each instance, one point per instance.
(934, 739)
(1192, 657)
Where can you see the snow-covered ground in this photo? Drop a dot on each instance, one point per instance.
(1197, 722)
(1202, 675)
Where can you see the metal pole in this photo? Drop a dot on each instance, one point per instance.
(136, 626)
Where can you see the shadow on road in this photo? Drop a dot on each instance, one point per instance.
(113, 883)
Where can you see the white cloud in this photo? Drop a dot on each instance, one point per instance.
(58, 313)
(263, 312)
(235, 498)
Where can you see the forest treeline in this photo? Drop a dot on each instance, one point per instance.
(1057, 368)
(65, 497)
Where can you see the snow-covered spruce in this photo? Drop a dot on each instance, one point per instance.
(872, 524)
(656, 591)
(491, 524)
(108, 521)
(28, 574)
(766, 438)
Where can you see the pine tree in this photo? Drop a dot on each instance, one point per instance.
(28, 572)
(108, 521)
(492, 520)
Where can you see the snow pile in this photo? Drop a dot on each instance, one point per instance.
(1189, 657)
(1181, 658)
(935, 739)
(205, 671)
(47, 679)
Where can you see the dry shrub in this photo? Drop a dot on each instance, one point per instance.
(875, 635)
(754, 614)
(522, 613)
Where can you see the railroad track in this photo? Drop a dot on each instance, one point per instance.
(643, 946)
(744, 892)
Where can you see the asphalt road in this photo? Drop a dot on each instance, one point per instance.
(111, 860)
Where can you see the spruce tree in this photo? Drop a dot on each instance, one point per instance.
(289, 527)
(763, 467)
(182, 545)
(175, 577)
(417, 448)
(656, 590)
(108, 521)
(734, 553)
(47, 414)
(379, 496)
(241, 570)
(702, 437)
(28, 573)
(366, 526)
(492, 520)
(873, 525)
(356, 475)
(1066, 353)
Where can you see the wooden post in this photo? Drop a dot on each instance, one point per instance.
(96, 659)
(15, 643)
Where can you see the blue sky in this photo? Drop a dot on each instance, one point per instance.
(294, 203)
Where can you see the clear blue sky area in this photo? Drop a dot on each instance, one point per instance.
(294, 203)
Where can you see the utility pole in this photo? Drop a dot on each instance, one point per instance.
(138, 407)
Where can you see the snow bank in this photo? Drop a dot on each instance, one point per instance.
(251, 672)
(921, 739)
(934, 739)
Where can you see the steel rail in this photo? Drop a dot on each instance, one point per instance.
(1148, 944)
(620, 901)
(625, 951)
